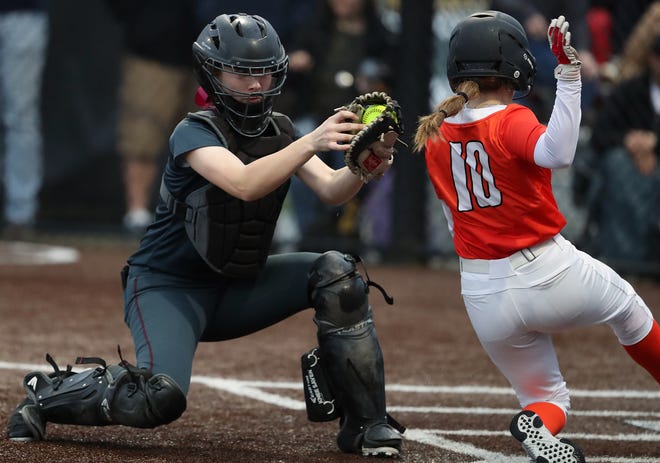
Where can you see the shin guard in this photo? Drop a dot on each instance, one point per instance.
(115, 394)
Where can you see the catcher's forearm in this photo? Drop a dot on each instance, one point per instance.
(342, 187)
(260, 177)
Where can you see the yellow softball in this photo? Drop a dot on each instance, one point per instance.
(372, 112)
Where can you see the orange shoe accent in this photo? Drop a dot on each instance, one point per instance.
(552, 415)
(647, 352)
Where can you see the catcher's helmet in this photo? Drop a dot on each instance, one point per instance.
(240, 44)
(490, 43)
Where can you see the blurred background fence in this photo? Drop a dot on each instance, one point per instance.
(83, 187)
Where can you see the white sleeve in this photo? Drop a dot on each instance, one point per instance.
(555, 149)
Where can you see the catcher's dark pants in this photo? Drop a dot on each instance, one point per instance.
(168, 315)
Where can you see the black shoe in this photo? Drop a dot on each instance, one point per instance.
(539, 443)
(376, 440)
(25, 423)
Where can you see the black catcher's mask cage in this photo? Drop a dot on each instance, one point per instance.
(247, 45)
(491, 43)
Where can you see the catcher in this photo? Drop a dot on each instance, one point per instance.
(203, 271)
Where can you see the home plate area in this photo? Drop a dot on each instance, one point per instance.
(246, 402)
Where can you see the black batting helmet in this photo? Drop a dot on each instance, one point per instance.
(490, 43)
(240, 44)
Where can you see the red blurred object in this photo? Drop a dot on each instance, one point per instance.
(202, 99)
(599, 20)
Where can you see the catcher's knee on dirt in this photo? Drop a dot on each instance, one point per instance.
(349, 349)
(117, 394)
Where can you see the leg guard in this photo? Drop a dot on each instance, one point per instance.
(115, 394)
(351, 356)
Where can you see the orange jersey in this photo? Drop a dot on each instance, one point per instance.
(500, 200)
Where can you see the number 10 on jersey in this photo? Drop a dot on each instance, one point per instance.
(473, 162)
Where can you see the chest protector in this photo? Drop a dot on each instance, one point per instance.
(231, 235)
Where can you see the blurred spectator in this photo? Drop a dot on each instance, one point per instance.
(625, 141)
(610, 23)
(286, 16)
(634, 54)
(156, 89)
(535, 17)
(23, 45)
(625, 16)
(601, 29)
(345, 50)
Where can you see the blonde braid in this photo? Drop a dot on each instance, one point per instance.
(428, 125)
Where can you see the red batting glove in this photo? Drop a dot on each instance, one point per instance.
(559, 39)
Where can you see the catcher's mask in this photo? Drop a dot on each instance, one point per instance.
(240, 44)
(491, 43)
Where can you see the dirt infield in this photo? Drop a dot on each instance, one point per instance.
(245, 403)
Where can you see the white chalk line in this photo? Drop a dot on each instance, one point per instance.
(436, 438)
(25, 253)
(441, 438)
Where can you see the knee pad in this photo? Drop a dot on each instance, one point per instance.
(147, 401)
(337, 291)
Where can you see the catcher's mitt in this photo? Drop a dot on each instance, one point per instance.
(364, 158)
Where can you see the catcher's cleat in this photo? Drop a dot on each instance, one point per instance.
(377, 440)
(25, 423)
(541, 446)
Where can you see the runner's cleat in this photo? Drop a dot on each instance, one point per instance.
(539, 443)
